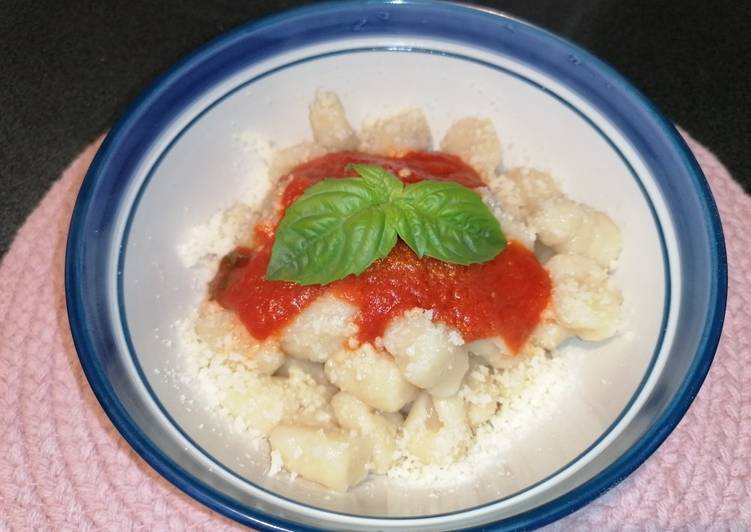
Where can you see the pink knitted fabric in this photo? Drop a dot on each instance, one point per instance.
(64, 467)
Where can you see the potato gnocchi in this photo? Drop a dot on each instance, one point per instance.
(336, 409)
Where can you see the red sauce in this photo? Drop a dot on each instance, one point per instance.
(502, 297)
(264, 307)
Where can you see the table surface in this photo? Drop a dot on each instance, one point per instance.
(69, 69)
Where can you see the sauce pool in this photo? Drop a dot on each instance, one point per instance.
(502, 297)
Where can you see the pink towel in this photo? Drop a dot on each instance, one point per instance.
(64, 467)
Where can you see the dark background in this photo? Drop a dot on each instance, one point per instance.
(68, 69)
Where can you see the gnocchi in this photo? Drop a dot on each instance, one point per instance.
(428, 353)
(286, 159)
(570, 227)
(480, 393)
(401, 133)
(372, 377)
(225, 335)
(584, 298)
(335, 407)
(521, 191)
(475, 141)
(436, 430)
(493, 350)
(320, 330)
(351, 413)
(329, 124)
(333, 458)
(260, 404)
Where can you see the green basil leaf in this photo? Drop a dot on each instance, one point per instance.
(339, 227)
(336, 228)
(448, 222)
(379, 179)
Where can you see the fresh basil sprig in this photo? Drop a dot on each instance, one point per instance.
(340, 227)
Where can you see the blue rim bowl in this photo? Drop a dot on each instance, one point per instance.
(94, 233)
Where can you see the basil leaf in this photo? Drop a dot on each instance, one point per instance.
(339, 227)
(379, 179)
(448, 222)
(336, 228)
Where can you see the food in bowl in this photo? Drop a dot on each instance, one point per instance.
(354, 354)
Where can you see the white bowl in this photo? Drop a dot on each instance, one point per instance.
(177, 158)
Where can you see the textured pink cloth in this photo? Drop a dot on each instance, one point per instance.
(64, 467)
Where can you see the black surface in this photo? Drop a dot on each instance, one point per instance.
(68, 69)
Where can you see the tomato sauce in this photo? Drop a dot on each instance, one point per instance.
(502, 297)
(264, 307)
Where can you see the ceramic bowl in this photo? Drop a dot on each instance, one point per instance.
(177, 157)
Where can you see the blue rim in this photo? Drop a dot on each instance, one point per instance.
(194, 74)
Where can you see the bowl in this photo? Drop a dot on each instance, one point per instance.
(180, 154)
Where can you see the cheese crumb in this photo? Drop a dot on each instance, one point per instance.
(276, 464)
